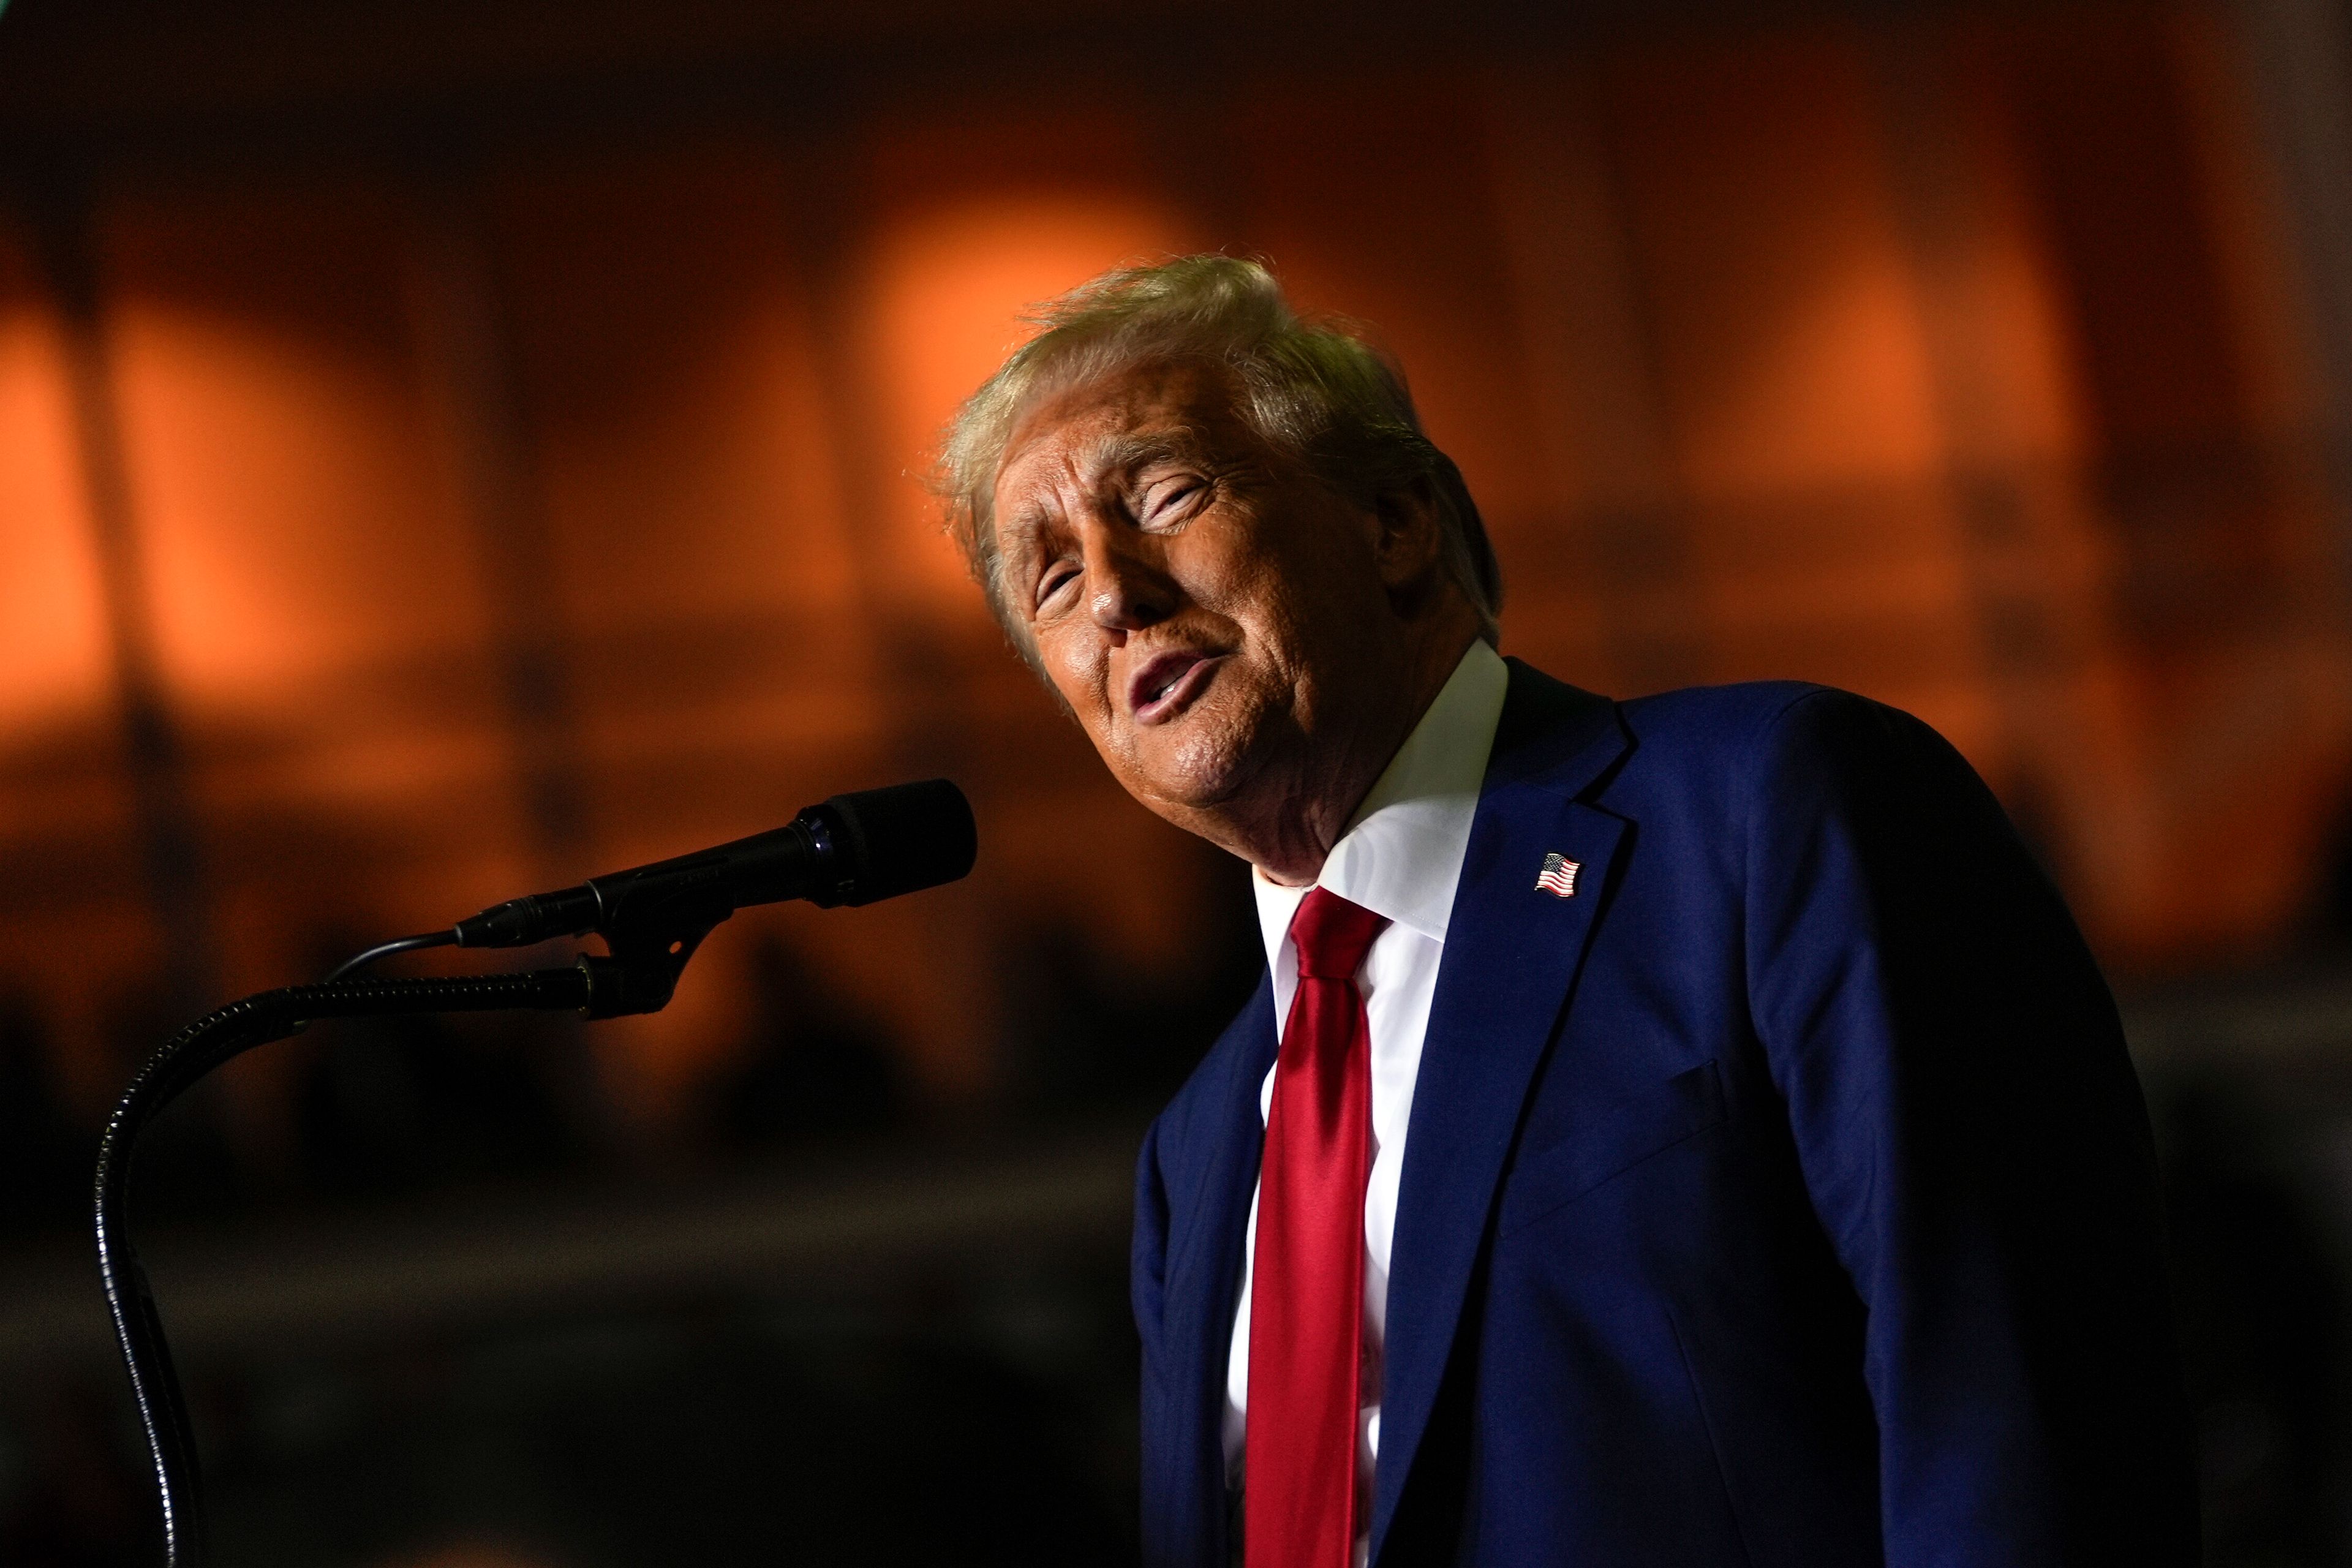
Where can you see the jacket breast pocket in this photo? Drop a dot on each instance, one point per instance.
(1607, 1139)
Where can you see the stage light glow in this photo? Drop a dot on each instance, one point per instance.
(279, 503)
(949, 285)
(52, 646)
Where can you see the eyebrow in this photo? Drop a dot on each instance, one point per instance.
(1126, 452)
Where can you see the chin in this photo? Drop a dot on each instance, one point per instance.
(1207, 766)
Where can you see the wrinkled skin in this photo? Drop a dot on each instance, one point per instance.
(1245, 648)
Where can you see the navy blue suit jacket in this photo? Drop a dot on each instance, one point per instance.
(1784, 1198)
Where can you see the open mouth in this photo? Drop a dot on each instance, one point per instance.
(1167, 684)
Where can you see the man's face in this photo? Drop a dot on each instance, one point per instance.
(1216, 618)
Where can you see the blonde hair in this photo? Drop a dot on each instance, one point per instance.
(1315, 392)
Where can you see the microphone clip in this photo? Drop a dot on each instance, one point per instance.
(647, 954)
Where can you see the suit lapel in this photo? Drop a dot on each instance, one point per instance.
(1205, 1245)
(1512, 952)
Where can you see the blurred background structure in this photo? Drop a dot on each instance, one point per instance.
(448, 449)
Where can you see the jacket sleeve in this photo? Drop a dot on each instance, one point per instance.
(1973, 1139)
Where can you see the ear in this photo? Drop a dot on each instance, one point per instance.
(1410, 539)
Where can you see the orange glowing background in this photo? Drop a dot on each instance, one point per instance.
(1764, 360)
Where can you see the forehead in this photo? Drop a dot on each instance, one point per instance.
(1084, 429)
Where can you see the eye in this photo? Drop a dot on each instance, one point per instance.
(1170, 497)
(1056, 576)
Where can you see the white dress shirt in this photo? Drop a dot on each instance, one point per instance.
(1400, 857)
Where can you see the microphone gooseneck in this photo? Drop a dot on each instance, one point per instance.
(851, 849)
(190, 1054)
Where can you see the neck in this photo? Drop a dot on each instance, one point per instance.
(1290, 838)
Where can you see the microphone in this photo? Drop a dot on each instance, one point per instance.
(851, 849)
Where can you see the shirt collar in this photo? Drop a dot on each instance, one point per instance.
(1401, 853)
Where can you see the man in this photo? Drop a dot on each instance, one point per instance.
(1678, 1131)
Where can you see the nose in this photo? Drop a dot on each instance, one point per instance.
(1126, 590)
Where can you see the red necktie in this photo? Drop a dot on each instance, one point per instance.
(1306, 1298)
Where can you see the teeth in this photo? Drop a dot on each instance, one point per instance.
(1157, 692)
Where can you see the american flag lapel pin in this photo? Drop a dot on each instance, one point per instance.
(1558, 877)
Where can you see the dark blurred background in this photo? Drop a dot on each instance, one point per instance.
(447, 448)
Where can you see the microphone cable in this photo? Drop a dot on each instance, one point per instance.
(359, 961)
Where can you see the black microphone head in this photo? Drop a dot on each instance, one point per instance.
(884, 842)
